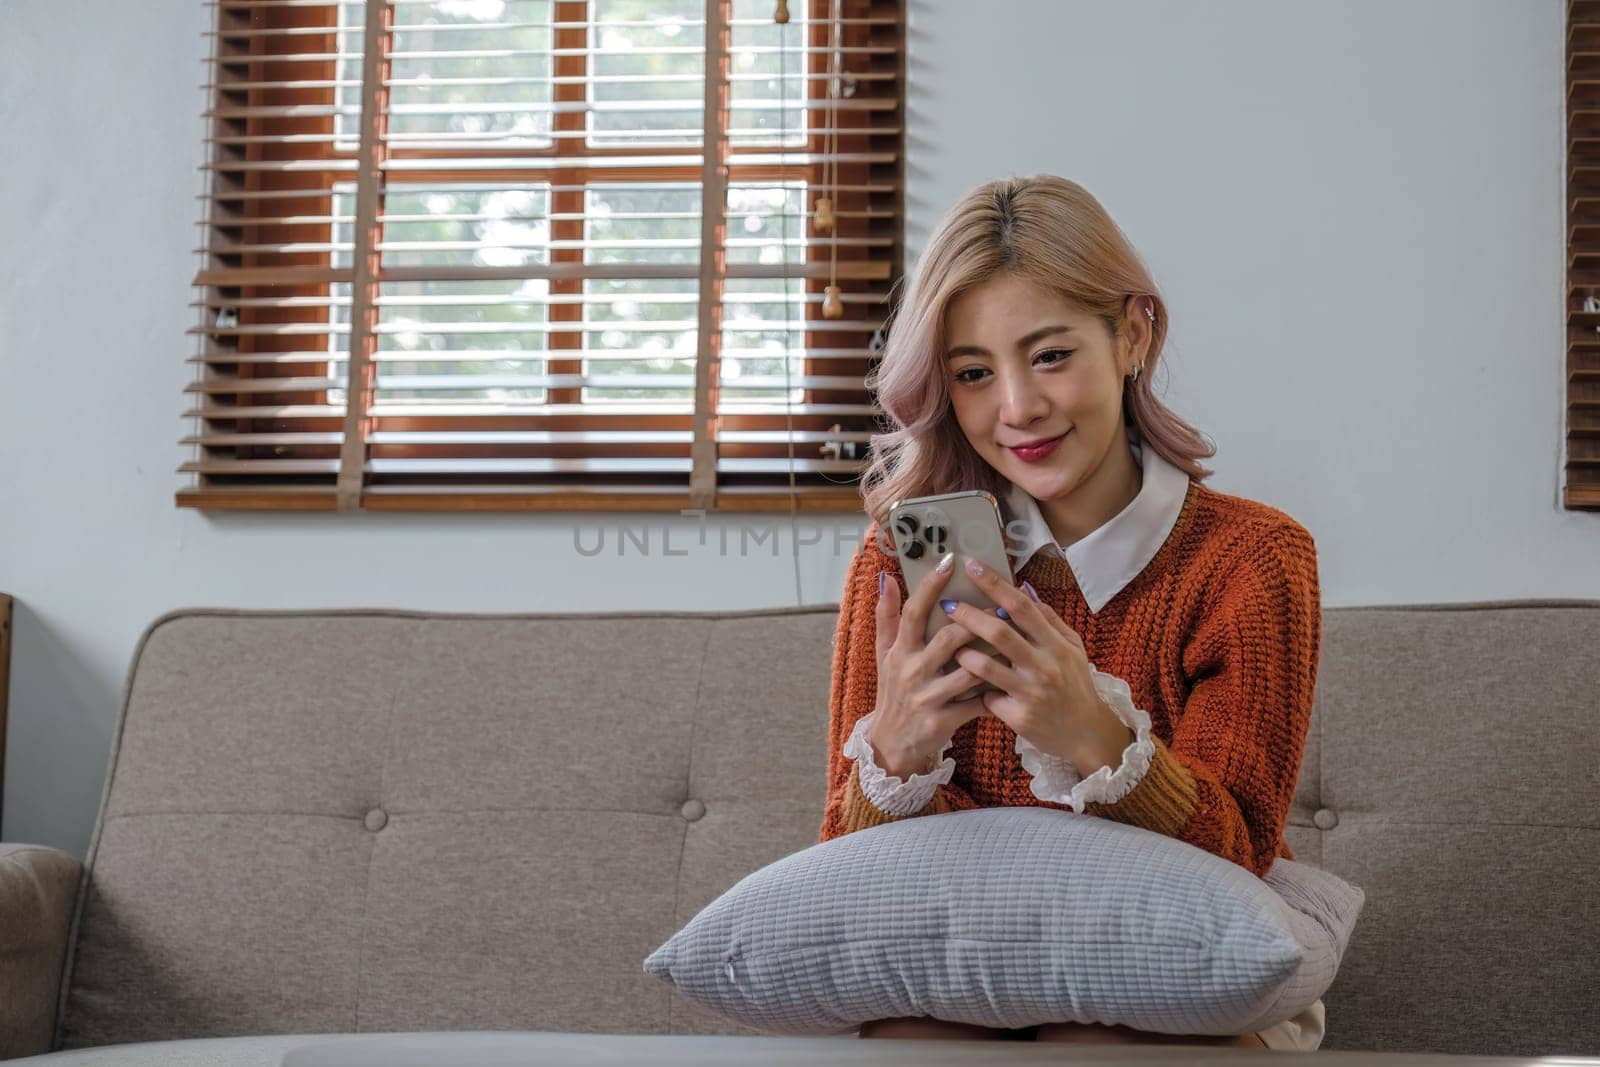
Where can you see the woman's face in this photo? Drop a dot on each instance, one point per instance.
(1016, 377)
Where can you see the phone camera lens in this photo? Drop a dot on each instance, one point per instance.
(914, 550)
(936, 536)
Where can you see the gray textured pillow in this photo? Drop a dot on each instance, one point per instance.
(1013, 916)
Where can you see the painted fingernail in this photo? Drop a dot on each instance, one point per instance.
(975, 568)
(949, 606)
(1027, 587)
(1002, 613)
(883, 581)
(946, 563)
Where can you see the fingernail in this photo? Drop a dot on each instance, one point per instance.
(1002, 613)
(946, 563)
(975, 568)
(949, 606)
(1027, 587)
(883, 581)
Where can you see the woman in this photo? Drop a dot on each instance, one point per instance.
(1159, 648)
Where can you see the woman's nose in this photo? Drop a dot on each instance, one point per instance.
(1021, 402)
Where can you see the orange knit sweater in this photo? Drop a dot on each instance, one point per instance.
(1218, 638)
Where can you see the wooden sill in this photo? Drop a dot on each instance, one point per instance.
(844, 500)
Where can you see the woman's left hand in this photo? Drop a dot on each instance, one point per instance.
(1047, 692)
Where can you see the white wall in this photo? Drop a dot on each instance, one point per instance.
(1353, 209)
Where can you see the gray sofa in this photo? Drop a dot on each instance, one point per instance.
(371, 821)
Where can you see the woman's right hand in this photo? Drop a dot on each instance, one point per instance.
(916, 712)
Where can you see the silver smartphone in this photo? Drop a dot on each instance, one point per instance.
(967, 523)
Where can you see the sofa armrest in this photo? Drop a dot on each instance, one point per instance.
(38, 887)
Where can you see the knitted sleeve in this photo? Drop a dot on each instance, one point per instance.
(853, 694)
(1225, 782)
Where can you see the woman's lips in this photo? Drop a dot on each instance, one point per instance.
(1037, 452)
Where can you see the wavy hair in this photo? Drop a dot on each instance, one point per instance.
(1052, 232)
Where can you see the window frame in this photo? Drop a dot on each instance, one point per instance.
(353, 489)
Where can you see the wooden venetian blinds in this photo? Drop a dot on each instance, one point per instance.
(572, 254)
(1583, 254)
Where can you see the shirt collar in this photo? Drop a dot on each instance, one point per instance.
(1110, 557)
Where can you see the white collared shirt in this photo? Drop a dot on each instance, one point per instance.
(1106, 560)
(1103, 562)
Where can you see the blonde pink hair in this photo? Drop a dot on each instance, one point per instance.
(1052, 232)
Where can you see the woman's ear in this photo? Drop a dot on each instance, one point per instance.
(1141, 330)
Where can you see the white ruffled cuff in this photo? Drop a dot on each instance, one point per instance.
(888, 793)
(1058, 781)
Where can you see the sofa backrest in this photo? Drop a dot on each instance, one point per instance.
(371, 820)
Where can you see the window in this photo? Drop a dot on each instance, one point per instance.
(525, 254)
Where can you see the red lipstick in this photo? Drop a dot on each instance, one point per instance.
(1033, 452)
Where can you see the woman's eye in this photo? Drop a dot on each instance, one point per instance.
(961, 375)
(1063, 353)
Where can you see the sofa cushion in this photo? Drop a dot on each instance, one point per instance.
(435, 822)
(1010, 917)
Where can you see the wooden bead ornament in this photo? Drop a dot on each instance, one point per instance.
(832, 303)
(824, 214)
